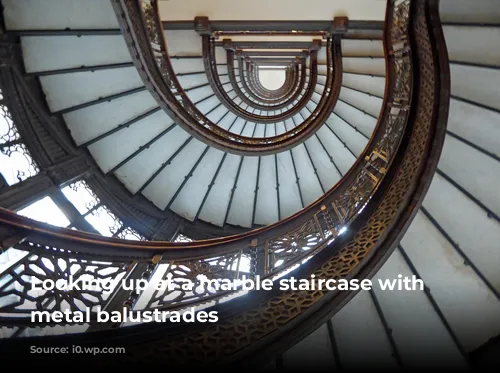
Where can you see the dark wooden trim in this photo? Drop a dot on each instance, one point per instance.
(290, 91)
(352, 126)
(141, 149)
(291, 54)
(474, 64)
(119, 127)
(274, 26)
(299, 45)
(361, 91)
(24, 193)
(256, 192)
(250, 82)
(364, 74)
(474, 146)
(164, 165)
(470, 24)
(233, 189)
(210, 186)
(99, 100)
(341, 141)
(215, 83)
(486, 209)
(187, 177)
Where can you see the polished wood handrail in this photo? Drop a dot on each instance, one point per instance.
(281, 98)
(266, 323)
(86, 242)
(255, 91)
(142, 28)
(276, 102)
(214, 80)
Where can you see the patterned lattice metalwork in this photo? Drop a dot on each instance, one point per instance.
(127, 233)
(182, 238)
(141, 22)
(89, 202)
(277, 254)
(281, 249)
(242, 330)
(38, 263)
(9, 132)
(193, 272)
(18, 163)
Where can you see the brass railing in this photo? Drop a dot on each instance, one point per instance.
(345, 234)
(254, 93)
(142, 26)
(295, 85)
(268, 252)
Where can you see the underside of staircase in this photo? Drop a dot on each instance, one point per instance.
(286, 139)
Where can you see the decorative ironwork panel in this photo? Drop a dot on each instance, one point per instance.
(17, 163)
(140, 22)
(127, 233)
(281, 251)
(186, 279)
(82, 196)
(37, 264)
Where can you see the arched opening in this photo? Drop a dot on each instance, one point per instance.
(272, 77)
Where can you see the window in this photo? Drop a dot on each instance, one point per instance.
(96, 213)
(104, 221)
(81, 196)
(46, 211)
(88, 205)
(181, 238)
(16, 163)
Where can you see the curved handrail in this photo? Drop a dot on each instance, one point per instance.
(414, 136)
(281, 98)
(269, 250)
(298, 90)
(141, 26)
(257, 86)
(265, 118)
(252, 93)
(214, 80)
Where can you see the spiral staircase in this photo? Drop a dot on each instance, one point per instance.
(230, 141)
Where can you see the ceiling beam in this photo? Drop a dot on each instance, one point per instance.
(299, 45)
(274, 26)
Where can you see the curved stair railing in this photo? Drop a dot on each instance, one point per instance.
(347, 233)
(213, 77)
(249, 82)
(289, 97)
(142, 27)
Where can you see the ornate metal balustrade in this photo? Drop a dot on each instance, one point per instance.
(345, 234)
(269, 251)
(270, 100)
(288, 98)
(281, 98)
(142, 27)
(248, 74)
(12, 146)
